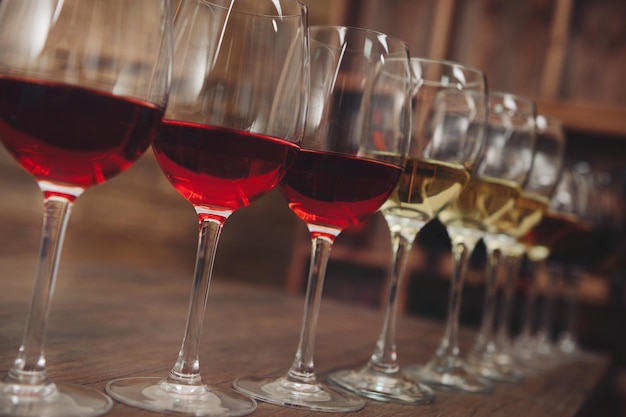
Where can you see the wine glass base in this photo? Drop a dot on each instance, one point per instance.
(148, 393)
(451, 378)
(380, 386)
(568, 345)
(63, 400)
(315, 396)
(524, 348)
(490, 367)
(535, 360)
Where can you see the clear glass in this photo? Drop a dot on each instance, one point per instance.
(491, 354)
(353, 153)
(567, 340)
(524, 346)
(449, 116)
(232, 126)
(494, 185)
(75, 110)
(561, 228)
(597, 196)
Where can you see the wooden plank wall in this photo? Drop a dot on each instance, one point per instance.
(568, 55)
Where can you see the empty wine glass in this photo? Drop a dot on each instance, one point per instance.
(232, 127)
(449, 115)
(83, 87)
(491, 354)
(492, 190)
(352, 156)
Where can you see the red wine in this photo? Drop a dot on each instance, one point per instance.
(218, 168)
(335, 190)
(553, 228)
(72, 135)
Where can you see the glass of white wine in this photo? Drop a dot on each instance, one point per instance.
(491, 353)
(448, 121)
(494, 186)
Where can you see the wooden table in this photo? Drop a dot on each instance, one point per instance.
(111, 321)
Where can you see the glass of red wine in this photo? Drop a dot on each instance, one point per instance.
(232, 127)
(83, 88)
(352, 156)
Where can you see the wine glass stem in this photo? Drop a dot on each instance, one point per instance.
(186, 370)
(461, 248)
(486, 332)
(528, 324)
(303, 369)
(513, 262)
(385, 357)
(572, 281)
(544, 328)
(29, 366)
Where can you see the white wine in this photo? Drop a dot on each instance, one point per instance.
(525, 214)
(425, 187)
(481, 204)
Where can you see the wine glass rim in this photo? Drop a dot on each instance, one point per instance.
(516, 97)
(548, 120)
(500, 102)
(448, 62)
(475, 79)
(302, 8)
(378, 34)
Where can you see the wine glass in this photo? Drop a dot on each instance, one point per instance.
(232, 126)
(559, 225)
(535, 253)
(352, 156)
(449, 115)
(83, 87)
(492, 190)
(571, 258)
(604, 213)
(491, 354)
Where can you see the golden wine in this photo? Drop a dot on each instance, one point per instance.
(482, 203)
(525, 214)
(425, 187)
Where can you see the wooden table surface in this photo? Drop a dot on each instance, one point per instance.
(110, 321)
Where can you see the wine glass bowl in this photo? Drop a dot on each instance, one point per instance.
(57, 94)
(448, 116)
(352, 155)
(232, 126)
(83, 88)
